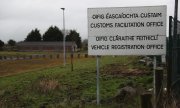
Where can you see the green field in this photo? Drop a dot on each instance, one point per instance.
(59, 87)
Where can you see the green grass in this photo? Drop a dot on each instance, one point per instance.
(60, 87)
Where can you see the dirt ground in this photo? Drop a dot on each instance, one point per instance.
(123, 70)
(19, 66)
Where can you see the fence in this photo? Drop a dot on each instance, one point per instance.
(173, 58)
(42, 56)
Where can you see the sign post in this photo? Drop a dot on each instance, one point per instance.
(126, 31)
(154, 80)
(97, 78)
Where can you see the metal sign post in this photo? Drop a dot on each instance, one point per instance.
(154, 80)
(97, 79)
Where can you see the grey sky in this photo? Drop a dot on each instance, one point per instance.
(19, 17)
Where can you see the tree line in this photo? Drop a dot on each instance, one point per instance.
(10, 43)
(53, 33)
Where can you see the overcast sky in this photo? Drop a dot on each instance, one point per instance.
(19, 17)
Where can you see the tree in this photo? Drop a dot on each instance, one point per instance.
(11, 42)
(1, 44)
(33, 36)
(53, 34)
(74, 36)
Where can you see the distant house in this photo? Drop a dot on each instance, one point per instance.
(46, 46)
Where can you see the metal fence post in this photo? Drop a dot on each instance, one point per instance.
(159, 87)
(146, 100)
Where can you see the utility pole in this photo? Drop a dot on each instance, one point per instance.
(64, 37)
(175, 55)
(170, 57)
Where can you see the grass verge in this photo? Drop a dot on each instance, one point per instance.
(59, 87)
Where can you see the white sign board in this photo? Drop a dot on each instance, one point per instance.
(127, 31)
